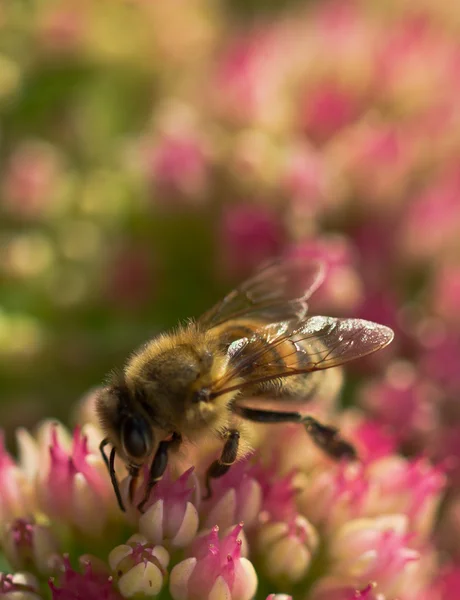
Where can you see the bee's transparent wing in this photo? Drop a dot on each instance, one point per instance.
(278, 292)
(280, 350)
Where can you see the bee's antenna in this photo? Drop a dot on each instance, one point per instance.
(110, 464)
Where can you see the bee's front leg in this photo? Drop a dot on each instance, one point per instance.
(134, 476)
(158, 466)
(157, 469)
(228, 457)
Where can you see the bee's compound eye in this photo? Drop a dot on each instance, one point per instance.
(136, 437)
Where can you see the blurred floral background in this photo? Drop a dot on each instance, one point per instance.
(153, 154)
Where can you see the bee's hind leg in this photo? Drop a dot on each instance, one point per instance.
(228, 457)
(324, 436)
(329, 439)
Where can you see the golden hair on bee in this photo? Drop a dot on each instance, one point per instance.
(193, 382)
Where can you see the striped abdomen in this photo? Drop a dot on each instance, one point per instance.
(269, 352)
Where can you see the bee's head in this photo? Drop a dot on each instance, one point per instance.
(125, 423)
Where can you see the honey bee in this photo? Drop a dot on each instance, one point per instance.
(193, 382)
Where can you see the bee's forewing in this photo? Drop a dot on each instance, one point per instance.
(317, 343)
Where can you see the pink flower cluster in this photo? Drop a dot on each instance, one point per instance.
(318, 529)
